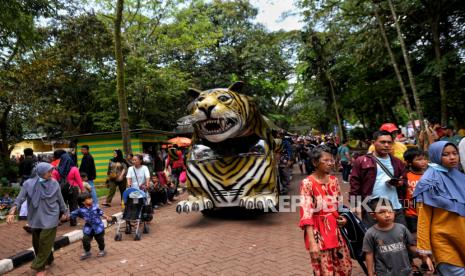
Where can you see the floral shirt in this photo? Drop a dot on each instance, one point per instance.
(92, 216)
(319, 207)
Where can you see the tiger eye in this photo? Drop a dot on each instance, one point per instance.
(223, 98)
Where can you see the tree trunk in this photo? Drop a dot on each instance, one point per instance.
(407, 65)
(120, 88)
(364, 126)
(439, 74)
(396, 68)
(4, 133)
(336, 108)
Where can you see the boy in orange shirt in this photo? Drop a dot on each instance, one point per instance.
(417, 165)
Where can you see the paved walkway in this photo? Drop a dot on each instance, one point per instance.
(228, 243)
(14, 239)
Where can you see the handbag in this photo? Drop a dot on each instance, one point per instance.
(353, 232)
(182, 177)
(66, 188)
(112, 176)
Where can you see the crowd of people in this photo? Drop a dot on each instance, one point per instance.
(411, 202)
(58, 191)
(414, 216)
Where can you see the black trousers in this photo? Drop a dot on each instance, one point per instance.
(70, 196)
(87, 239)
(346, 167)
(159, 196)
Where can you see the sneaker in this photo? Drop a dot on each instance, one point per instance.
(27, 228)
(101, 253)
(86, 255)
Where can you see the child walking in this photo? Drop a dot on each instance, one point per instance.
(93, 228)
(386, 244)
(416, 165)
(320, 219)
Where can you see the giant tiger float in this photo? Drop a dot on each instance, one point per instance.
(231, 161)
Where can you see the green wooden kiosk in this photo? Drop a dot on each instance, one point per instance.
(103, 144)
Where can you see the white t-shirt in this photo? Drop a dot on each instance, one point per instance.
(138, 176)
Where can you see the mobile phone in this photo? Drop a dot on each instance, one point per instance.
(393, 181)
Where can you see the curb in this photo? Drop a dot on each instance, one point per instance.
(28, 255)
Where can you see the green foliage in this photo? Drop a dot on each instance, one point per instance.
(342, 38)
(64, 82)
(59, 76)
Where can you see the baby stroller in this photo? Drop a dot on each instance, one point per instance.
(137, 210)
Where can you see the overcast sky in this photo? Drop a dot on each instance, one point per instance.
(270, 14)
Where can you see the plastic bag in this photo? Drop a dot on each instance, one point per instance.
(183, 177)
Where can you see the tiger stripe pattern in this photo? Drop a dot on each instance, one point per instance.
(226, 120)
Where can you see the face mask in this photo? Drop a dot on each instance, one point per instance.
(42, 180)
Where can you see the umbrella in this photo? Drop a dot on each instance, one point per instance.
(180, 141)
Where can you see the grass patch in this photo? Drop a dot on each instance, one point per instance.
(101, 191)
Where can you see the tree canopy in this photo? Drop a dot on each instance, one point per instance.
(58, 67)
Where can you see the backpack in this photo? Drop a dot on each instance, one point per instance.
(66, 188)
(353, 233)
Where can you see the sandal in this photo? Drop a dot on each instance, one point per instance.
(416, 271)
(27, 228)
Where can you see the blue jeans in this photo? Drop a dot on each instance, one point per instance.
(346, 167)
(93, 193)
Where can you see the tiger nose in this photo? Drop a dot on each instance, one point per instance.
(207, 110)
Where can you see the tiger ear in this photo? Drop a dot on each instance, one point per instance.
(193, 93)
(237, 87)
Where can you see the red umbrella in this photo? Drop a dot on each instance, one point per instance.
(180, 141)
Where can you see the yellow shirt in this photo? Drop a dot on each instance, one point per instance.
(398, 150)
(442, 233)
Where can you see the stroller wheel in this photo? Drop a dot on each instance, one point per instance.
(146, 229)
(137, 236)
(118, 237)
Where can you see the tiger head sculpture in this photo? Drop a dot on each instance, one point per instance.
(222, 113)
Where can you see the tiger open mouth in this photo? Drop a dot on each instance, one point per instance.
(216, 126)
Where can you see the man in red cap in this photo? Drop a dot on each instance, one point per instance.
(398, 148)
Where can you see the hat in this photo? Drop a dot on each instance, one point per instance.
(389, 127)
(153, 174)
(43, 168)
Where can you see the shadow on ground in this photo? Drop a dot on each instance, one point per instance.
(212, 217)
